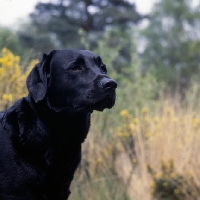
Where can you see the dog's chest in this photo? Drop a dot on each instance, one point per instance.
(60, 171)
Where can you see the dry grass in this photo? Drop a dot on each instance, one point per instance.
(116, 167)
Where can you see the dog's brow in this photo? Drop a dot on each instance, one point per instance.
(98, 60)
(80, 59)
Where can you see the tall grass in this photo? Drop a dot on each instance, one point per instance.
(150, 155)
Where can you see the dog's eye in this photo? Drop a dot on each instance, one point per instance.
(103, 69)
(76, 68)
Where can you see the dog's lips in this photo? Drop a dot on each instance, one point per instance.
(96, 101)
(104, 101)
(107, 103)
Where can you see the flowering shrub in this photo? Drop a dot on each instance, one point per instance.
(168, 184)
(12, 78)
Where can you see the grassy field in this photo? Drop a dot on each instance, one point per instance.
(149, 155)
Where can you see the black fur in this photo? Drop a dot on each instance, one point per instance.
(41, 134)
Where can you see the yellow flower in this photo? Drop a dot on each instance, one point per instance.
(159, 175)
(12, 78)
(133, 127)
(7, 97)
(147, 134)
(127, 134)
(153, 184)
(135, 120)
(119, 134)
(124, 113)
(196, 122)
(176, 191)
(190, 174)
(165, 184)
(144, 110)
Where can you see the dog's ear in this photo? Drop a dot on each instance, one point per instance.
(37, 80)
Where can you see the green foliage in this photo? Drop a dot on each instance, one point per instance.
(33, 39)
(170, 185)
(61, 20)
(172, 44)
(9, 40)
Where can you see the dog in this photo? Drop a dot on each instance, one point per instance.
(41, 134)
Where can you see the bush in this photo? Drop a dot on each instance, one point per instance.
(170, 185)
(12, 78)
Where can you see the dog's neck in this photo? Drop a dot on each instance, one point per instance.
(64, 121)
(36, 128)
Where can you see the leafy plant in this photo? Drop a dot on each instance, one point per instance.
(170, 185)
(12, 78)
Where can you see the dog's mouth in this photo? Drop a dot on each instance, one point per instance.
(107, 102)
(99, 102)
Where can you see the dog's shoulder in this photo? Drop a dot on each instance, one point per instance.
(1, 118)
(11, 118)
(1, 115)
(1, 126)
(21, 124)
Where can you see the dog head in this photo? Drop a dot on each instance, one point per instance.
(74, 79)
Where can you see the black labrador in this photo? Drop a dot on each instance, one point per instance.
(41, 134)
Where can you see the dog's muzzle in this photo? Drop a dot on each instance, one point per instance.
(108, 95)
(108, 83)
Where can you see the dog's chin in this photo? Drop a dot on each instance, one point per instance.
(100, 105)
(104, 104)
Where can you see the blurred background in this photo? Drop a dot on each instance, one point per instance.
(147, 146)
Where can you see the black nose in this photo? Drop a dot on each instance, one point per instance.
(108, 83)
